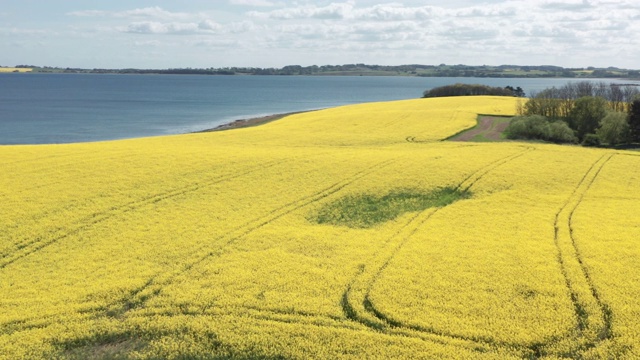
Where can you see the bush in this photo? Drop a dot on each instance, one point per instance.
(560, 132)
(528, 127)
(591, 140)
(536, 127)
(614, 128)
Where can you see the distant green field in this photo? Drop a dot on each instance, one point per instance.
(11, 69)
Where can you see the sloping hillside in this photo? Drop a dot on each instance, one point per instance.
(215, 245)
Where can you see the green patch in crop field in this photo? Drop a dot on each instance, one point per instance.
(105, 346)
(480, 138)
(365, 211)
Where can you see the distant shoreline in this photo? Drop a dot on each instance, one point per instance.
(418, 70)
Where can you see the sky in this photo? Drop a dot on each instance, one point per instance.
(274, 33)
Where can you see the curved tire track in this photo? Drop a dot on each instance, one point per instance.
(154, 285)
(592, 314)
(595, 316)
(356, 303)
(28, 248)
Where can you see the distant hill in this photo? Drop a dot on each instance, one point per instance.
(442, 70)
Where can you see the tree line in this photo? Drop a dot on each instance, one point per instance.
(585, 112)
(441, 70)
(473, 90)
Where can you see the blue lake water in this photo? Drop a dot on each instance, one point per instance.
(64, 108)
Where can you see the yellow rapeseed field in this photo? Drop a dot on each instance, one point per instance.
(11, 69)
(210, 245)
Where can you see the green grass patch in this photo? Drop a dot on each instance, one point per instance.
(480, 138)
(365, 211)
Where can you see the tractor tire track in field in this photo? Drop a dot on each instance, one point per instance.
(306, 319)
(310, 319)
(388, 325)
(593, 316)
(331, 322)
(153, 287)
(470, 180)
(270, 316)
(37, 244)
(415, 140)
(356, 303)
(71, 205)
(139, 295)
(603, 312)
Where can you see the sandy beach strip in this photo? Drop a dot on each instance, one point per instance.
(242, 123)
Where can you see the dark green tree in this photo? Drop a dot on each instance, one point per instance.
(586, 115)
(613, 128)
(515, 91)
(467, 90)
(634, 121)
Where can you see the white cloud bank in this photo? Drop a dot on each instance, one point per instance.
(258, 3)
(276, 33)
(147, 12)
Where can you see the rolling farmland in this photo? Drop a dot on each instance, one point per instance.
(12, 69)
(246, 244)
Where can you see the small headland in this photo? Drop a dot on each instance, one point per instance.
(242, 123)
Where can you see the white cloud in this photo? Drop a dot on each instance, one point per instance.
(518, 31)
(466, 33)
(500, 11)
(241, 27)
(258, 3)
(88, 13)
(582, 5)
(396, 12)
(148, 12)
(152, 27)
(331, 11)
(24, 31)
(149, 43)
(215, 43)
(527, 26)
(209, 25)
(152, 12)
(205, 27)
(555, 20)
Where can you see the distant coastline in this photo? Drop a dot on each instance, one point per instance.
(442, 70)
(63, 108)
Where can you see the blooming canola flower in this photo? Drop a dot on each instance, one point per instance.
(205, 245)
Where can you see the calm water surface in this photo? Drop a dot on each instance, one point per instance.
(64, 108)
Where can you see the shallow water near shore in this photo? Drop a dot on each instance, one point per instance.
(66, 108)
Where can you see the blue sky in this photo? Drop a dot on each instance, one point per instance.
(275, 33)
